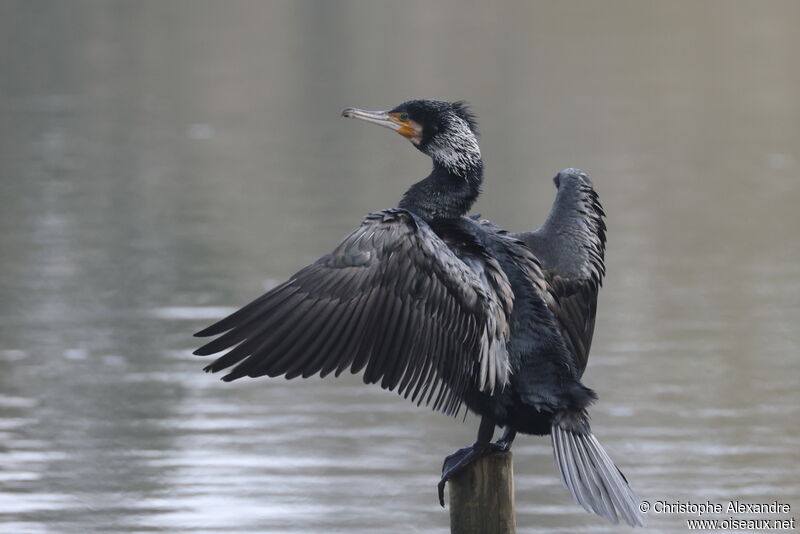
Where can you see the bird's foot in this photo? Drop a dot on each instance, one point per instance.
(506, 439)
(502, 445)
(456, 462)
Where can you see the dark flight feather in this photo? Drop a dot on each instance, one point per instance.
(571, 247)
(373, 304)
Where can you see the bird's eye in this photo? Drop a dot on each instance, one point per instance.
(404, 116)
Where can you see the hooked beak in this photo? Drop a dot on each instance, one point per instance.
(407, 128)
(378, 117)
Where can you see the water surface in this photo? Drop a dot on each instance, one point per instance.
(162, 163)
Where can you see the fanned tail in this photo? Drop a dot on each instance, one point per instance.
(591, 476)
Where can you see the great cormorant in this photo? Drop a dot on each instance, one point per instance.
(451, 310)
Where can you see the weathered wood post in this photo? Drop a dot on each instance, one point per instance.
(482, 497)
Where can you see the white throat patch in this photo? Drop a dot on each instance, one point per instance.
(458, 151)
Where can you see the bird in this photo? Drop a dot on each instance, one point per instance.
(452, 311)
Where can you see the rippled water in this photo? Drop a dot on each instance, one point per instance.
(163, 163)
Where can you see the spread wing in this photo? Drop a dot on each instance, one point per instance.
(392, 300)
(575, 314)
(570, 246)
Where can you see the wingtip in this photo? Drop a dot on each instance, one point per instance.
(206, 332)
(572, 174)
(204, 351)
(212, 369)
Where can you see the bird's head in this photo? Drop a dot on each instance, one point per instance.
(445, 131)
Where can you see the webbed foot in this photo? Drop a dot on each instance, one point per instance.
(506, 439)
(456, 462)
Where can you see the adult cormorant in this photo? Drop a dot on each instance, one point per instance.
(451, 310)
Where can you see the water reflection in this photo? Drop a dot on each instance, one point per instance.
(165, 162)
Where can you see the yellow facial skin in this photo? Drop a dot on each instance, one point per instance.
(408, 128)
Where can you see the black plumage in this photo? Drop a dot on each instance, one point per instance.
(451, 310)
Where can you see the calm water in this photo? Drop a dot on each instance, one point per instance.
(163, 162)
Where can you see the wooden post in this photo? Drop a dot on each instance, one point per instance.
(482, 497)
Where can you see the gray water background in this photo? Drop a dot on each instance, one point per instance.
(162, 163)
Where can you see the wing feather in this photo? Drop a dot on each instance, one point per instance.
(570, 246)
(392, 300)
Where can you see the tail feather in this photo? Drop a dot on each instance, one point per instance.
(592, 478)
